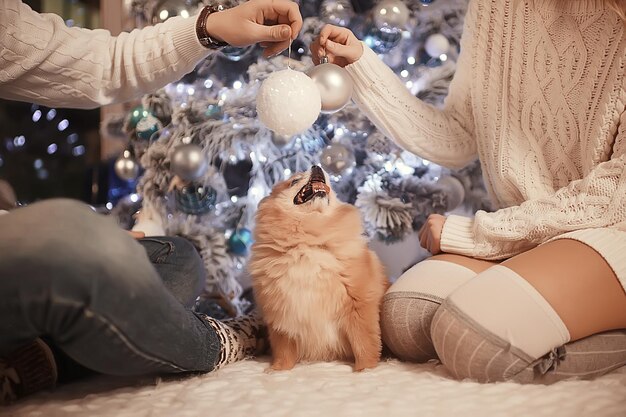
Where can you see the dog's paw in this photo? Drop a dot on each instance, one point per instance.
(280, 366)
(363, 365)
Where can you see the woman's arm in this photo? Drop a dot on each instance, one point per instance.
(595, 201)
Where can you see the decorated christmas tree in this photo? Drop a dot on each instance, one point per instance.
(202, 158)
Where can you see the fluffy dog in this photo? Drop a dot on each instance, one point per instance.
(316, 282)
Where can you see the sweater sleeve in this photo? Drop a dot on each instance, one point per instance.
(444, 136)
(595, 201)
(44, 61)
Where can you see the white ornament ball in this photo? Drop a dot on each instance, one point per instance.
(437, 45)
(189, 162)
(335, 86)
(454, 190)
(126, 167)
(288, 102)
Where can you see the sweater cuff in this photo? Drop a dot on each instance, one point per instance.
(458, 235)
(185, 39)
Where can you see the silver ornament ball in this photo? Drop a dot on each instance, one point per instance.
(335, 86)
(454, 189)
(189, 162)
(337, 12)
(391, 16)
(281, 140)
(337, 160)
(165, 9)
(126, 167)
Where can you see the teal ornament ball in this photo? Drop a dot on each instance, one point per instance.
(196, 199)
(148, 126)
(240, 241)
(214, 111)
(136, 115)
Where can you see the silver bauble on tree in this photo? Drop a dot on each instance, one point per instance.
(454, 190)
(189, 162)
(334, 83)
(391, 16)
(437, 45)
(164, 9)
(337, 160)
(126, 167)
(337, 12)
(281, 140)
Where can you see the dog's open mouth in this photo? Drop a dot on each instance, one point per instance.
(315, 188)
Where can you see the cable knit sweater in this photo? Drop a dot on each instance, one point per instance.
(539, 96)
(43, 61)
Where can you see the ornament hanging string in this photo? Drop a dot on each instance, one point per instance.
(289, 58)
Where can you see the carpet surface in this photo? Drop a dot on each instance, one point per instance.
(326, 389)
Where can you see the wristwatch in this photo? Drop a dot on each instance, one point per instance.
(205, 39)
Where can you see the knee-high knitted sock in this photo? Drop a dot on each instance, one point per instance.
(240, 338)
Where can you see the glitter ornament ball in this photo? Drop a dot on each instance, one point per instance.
(240, 241)
(148, 126)
(335, 86)
(426, 2)
(288, 102)
(195, 199)
(391, 16)
(189, 162)
(337, 160)
(126, 167)
(437, 45)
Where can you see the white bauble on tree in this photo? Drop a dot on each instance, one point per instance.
(288, 102)
(437, 45)
(391, 16)
(334, 83)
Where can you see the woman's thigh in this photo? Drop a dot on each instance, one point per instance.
(577, 282)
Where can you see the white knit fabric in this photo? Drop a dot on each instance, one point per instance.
(539, 96)
(43, 61)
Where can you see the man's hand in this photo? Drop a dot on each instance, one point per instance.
(430, 233)
(274, 23)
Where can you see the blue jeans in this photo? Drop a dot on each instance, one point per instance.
(111, 303)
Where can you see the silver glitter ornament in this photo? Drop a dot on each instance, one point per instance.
(334, 83)
(391, 16)
(126, 167)
(337, 160)
(189, 162)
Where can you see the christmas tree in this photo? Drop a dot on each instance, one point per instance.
(207, 160)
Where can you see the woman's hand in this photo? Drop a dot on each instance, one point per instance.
(430, 233)
(274, 23)
(338, 44)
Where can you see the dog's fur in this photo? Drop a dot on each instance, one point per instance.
(316, 282)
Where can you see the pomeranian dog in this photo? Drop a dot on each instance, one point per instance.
(317, 284)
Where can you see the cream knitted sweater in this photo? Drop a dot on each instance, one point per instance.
(43, 61)
(539, 97)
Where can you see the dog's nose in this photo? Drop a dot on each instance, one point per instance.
(317, 174)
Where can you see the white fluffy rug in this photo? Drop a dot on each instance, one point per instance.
(327, 389)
